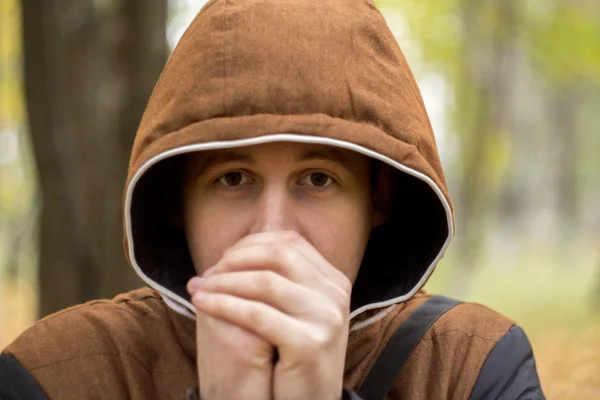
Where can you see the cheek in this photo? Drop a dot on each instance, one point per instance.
(340, 234)
(211, 230)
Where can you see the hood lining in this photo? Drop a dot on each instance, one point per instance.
(178, 297)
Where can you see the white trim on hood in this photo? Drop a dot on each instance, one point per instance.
(178, 308)
(178, 301)
(370, 321)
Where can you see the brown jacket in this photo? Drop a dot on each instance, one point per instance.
(256, 71)
(136, 347)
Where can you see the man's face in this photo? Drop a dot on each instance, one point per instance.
(322, 193)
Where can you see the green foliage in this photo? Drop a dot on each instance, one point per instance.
(523, 120)
(563, 39)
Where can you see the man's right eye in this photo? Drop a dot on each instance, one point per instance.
(234, 179)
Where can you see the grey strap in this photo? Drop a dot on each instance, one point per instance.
(387, 368)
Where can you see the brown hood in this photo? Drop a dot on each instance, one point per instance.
(255, 71)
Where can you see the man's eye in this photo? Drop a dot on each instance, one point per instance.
(317, 179)
(233, 179)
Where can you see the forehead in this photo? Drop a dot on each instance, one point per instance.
(277, 152)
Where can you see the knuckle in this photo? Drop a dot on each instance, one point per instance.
(278, 248)
(255, 317)
(339, 319)
(341, 294)
(285, 239)
(291, 237)
(346, 285)
(226, 263)
(282, 257)
(319, 339)
(342, 281)
(335, 318)
(265, 282)
(314, 339)
(341, 297)
(345, 296)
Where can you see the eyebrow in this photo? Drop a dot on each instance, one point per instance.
(218, 157)
(215, 158)
(334, 155)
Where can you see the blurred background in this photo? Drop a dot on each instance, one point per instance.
(513, 92)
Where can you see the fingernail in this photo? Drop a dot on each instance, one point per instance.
(196, 283)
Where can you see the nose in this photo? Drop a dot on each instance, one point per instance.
(274, 210)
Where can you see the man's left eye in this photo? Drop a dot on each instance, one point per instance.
(317, 179)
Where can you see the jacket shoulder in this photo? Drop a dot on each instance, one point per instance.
(99, 326)
(117, 344)
(509, 371)
(450, 356)
(461, 337)
(468, 321)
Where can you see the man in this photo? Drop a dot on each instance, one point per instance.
(285, 205)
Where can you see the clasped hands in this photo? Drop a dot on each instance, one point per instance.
(272, 322)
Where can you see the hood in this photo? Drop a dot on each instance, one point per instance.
(312, 71)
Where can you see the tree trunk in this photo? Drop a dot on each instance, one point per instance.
(565, 105)
(89, 70)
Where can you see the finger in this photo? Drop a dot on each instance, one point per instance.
(289, 262)
(240, 347)
(281, 330)
(266, 238)
(266, 287)
(285, 239)
(285, 261)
